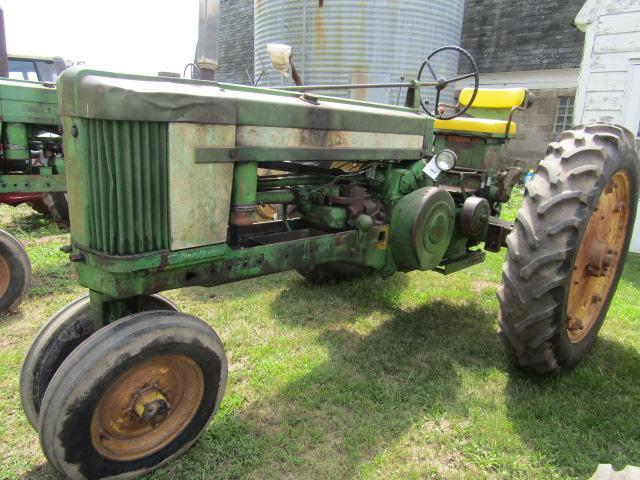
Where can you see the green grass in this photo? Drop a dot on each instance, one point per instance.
(395, 378)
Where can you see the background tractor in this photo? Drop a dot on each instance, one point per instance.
(120, 381)
(31, 161)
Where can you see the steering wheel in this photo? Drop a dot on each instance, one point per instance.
(442, 83)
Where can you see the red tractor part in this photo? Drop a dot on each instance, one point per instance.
(15, 199)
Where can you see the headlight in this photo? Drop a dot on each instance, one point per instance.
(446, 160)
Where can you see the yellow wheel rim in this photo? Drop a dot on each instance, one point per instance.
(598, 259)
(5, 276)
(147, 407)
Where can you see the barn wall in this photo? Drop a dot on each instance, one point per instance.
(517, 35)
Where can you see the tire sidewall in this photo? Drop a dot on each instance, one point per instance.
(20, 271)
(47, 352)
(56, 340)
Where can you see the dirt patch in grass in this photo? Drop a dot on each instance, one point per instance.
(479, 286)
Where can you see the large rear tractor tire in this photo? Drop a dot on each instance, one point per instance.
(134, 395)
(55, 341)
(15, 272)
(332, 272)
(568, 247)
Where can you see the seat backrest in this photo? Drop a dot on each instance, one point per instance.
(495, 104)
(502, 98)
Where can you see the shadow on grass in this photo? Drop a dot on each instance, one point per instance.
(297, 292)
(241, 289)
(41, 472)
(53, 279)
(585, 417)
(371, 390)
(374, 387)
(299, 305)
(34, 224)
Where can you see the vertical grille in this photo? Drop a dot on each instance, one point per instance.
(128, 186)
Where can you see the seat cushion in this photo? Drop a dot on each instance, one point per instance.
(476, 125)
(494, 98)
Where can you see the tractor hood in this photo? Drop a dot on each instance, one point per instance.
(102, 95)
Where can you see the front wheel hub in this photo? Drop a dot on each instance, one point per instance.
(151, 406)
(147, 407)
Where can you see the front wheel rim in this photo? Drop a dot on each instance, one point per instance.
(147, 407)
(5, 276)
(598, 259)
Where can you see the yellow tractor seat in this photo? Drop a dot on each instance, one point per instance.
(476, 125)
(495, 98)
(501, 103)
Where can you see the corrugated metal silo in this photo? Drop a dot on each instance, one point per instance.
(347, 41)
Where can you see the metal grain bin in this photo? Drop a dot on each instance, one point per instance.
(347, 41)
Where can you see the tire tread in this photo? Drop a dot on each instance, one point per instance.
(536, 273)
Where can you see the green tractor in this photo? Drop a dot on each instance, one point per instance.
(31, 172)
(31, 161)
(120, 382)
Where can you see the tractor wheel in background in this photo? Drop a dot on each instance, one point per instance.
(62, 333)
(39, 206)
(567, 248)
(332, 272)
(134, 395)
(57, 206)
(15, 272)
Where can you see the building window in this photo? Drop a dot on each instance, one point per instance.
(564, 114)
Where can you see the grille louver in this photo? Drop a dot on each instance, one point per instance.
(128, 186)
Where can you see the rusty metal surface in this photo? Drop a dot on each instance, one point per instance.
(253, 136)
(147, 407)
(230, 265)
(497, 234)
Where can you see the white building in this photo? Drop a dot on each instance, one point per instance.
(609, 79)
